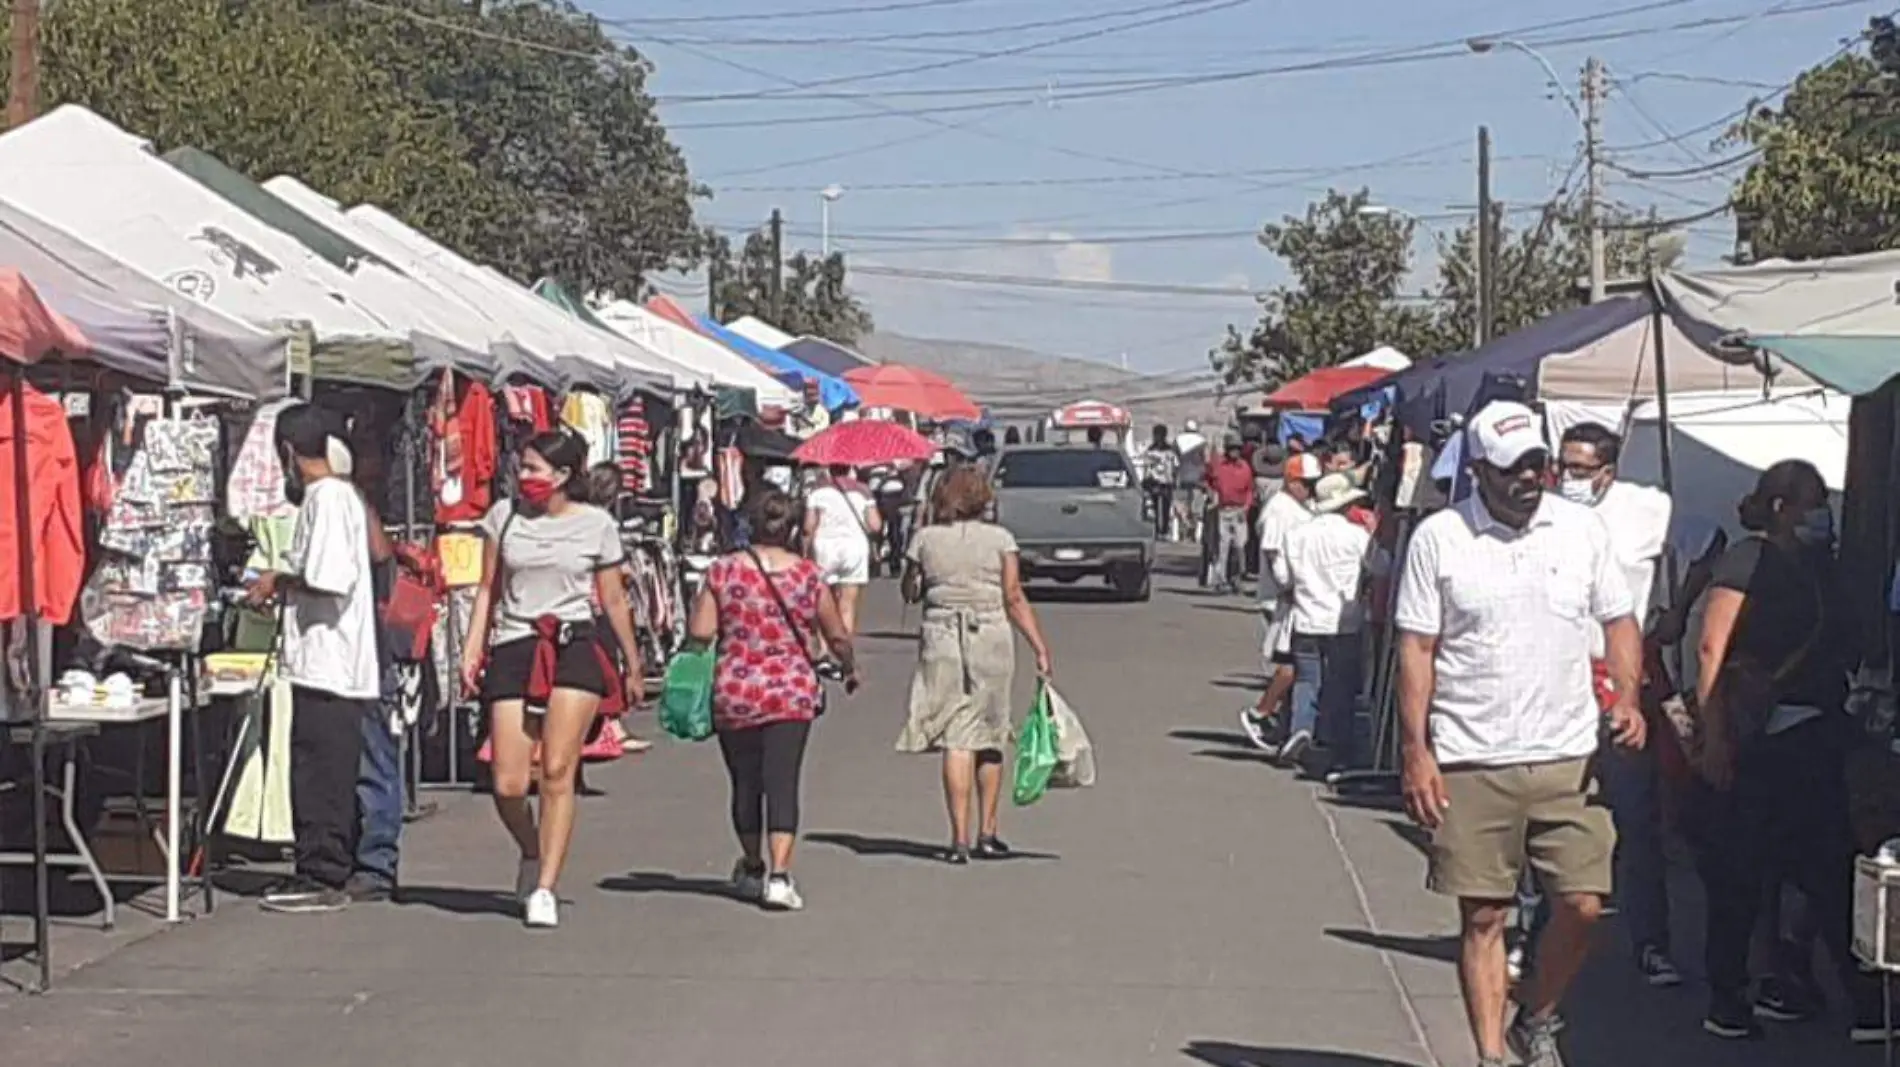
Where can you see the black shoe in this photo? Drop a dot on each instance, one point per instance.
(324, 900)
(1782, 1001)
(1731, 1018)
(365, 888)
(991, 847)
(957, 855)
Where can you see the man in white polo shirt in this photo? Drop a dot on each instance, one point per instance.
(1498, 606)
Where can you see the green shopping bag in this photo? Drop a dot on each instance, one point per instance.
(1036, 750)
(686, 701)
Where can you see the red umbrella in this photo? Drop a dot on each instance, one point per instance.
(864, 443)
(893, 385)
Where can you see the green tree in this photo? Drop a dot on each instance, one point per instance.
(812, 300)
(557, 117)
(1349, 267)
(268, 89)
(1827, 181)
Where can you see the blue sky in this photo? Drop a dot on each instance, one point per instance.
(1145, 141)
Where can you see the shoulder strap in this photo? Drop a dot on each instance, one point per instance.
(784, 610)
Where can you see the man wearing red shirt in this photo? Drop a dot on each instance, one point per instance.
(1230, 483)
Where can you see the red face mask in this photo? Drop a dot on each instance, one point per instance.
(535, 491)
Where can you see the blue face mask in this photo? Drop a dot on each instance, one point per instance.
(1816, 528)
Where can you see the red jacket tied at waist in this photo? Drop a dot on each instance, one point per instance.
(547, 654)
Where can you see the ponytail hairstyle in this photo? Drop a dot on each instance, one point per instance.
(564, 450)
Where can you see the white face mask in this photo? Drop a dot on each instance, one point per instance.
(1578, 490)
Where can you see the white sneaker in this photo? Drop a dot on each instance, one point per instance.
(543, 910)
(527, 879)
(781, 894)
(748, 882)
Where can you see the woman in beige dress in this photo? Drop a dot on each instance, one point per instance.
(966, 573)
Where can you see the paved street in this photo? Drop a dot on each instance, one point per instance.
(1196, 907)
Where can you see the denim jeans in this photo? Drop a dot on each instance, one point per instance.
(1327, 671)
(379, 797)
(1631, 786)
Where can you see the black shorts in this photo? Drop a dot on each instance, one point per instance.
(576, 666)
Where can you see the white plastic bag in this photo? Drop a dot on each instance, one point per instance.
(1075, 754)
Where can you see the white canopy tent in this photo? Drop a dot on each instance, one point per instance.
(697, 350)
(758, 331)
(1384, 357)
(543, 326)
(86, 176)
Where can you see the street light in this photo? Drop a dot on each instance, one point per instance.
(1484, 45)
(826, 197)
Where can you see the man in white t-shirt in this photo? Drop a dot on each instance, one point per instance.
(1285, 510)
(328, 657)
(1500, 602)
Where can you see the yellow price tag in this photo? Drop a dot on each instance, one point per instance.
(461, 559)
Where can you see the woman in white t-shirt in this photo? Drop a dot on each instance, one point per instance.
(841, 521)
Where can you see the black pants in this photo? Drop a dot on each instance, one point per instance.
(764, 764)
(326, 746)
(1785, 819)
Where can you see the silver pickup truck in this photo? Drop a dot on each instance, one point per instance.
(1076, 512)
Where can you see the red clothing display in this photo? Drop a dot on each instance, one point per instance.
(463, 421)
(1231, 481)
(57, 530)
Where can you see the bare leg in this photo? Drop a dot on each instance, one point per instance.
(1278, 687)
(1481, 972)
(848, 607)
(1562, 950)
(959, 774)
(781, 851)
(513, 768)
(563, 732)
(989, 788)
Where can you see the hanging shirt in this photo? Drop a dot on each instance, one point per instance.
(463, 421)
(56, 530)
(589, 415)
(636, 447)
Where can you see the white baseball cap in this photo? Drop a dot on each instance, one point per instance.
(1503, 433)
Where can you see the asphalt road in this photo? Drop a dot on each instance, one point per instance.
(1196, 907)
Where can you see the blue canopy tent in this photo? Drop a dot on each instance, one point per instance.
(833, 392)
(1456, 385)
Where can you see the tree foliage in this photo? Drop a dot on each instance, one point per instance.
(515, 131)
(812, 300)
(1350, 263)
(1827, 181)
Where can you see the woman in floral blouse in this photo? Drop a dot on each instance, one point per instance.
(767, 607)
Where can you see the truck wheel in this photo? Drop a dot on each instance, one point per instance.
(1133, 584)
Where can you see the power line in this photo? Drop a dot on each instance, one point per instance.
(1437, 50)
(926, 35)
(808, 13)
(1028, 281)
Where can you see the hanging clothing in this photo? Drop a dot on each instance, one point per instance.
(730, 467)
(636, 448)
(589, 415)
(256, 487)
(528, 405)
(56, 533)
(463, 422)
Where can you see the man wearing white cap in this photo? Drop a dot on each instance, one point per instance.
(1326, 563)
(1498, 606)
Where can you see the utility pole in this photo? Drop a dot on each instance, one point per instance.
(1593, 88)
(23, 81)
(1487, 241)
(712, 276)
(778, 266)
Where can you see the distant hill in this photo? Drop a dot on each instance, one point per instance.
(1020, 385)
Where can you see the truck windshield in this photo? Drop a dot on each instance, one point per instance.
(1080, 468)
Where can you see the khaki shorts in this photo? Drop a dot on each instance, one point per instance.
(1500, 817)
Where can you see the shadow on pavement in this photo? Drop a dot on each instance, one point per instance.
(1236, 608)
(904, 848)
(1233, 755)
(1213, 737)
(662, 882)
(1248, 684)
(907, 636)
(1073, 594)
(459, 900)
(1440, 947)
(1412, 834)
(1224, 1054)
